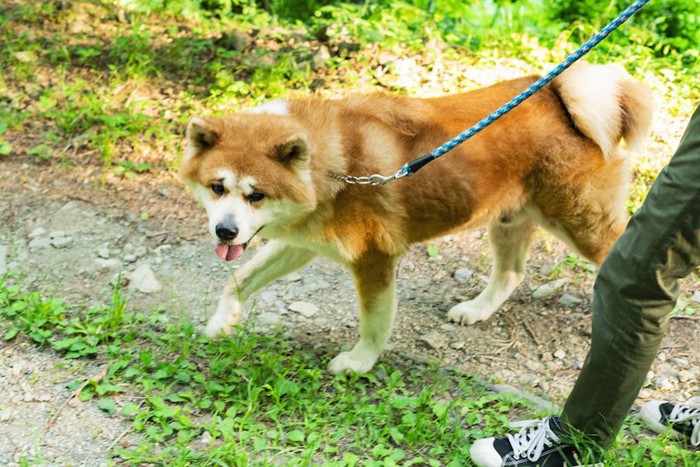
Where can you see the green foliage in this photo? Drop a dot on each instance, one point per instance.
(259, 399)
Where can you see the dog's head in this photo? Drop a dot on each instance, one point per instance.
(251, 171)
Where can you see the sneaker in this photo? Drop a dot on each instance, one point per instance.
(679, 421)
(539, 443)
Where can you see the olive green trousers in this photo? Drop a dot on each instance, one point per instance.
(635, 291)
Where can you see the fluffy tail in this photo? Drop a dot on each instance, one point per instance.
(606, 105)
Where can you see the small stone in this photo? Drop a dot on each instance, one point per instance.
(696, 296)
(448, 327)
(316, 285)
(684, 376)
(268, 319)
(433, 340)
(570, 300)
(5, 415)
(144, 280)
(38, 232)
(206, 438)
(679, 362)
(665, 382)
(39, 243)
(294, 277)
(304, 308)
(130, 259)
(3, 259)
(462, 275)
(318, 61)
(62, 242)
(548, 289)
(559, 354)
(457, 345)
(101, 263)
(57, 234)
(103, 252)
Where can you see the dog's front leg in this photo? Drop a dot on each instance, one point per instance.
(273, 260)
(375, 280)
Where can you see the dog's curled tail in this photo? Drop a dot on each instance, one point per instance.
(606, 105)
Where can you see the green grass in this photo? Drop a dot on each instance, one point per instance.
(258, 399)
(112, 84)
(261, 400)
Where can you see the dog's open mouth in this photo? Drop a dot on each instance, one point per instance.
(229, 252)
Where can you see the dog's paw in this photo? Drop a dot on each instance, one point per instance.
(228, 313)
(468, 313)
(350, 362)
(218, 327)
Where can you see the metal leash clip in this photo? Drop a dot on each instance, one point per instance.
(372, 180)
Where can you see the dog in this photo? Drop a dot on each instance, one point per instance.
(554, 161)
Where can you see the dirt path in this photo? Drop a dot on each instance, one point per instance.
(67, 236)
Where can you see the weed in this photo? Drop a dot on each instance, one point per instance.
(256, 399)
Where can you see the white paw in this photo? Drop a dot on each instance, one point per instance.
(351, 362)
(227, 315)
(469, 313)
(219, 326)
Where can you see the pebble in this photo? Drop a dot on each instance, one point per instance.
(294, 277)
(103, 252)
(62, 242)
(570, 300)
(548, 289)
(433, 339)
(206, 438)
(38, 232)
(684, 376)
(267, 318)
(696, 296)
(304, 308)
(3, 259)
(559, 354)
(39, 243)
(143, 279)
(101, 263)
(457, 345)
(462, 275)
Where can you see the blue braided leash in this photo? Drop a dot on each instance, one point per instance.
(412, 167)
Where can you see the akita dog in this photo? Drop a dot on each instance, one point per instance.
(554, 161)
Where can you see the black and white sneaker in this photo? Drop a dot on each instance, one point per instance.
(539, 443)
(676, 420)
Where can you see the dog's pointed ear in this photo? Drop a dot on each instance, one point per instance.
(294, 151)
(202, 134)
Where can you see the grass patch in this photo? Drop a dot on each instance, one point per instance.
(257, 399)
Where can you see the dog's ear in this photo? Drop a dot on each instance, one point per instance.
(294, 151)
(202, 134)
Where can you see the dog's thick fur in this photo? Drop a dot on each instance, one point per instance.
(553, 161)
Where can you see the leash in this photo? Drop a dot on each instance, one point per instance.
(413, 167)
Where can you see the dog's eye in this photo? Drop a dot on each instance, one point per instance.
(218, 188)
(255, 197)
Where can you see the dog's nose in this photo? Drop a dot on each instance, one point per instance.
(226, 232)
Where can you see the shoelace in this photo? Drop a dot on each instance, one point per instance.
(532, 438)
(691, 416)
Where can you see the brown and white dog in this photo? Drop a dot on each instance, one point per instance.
(553, 161)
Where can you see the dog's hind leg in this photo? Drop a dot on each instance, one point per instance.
(375, 279)
(510, 238)
(272, 261)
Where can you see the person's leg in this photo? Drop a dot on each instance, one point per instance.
(635, 291)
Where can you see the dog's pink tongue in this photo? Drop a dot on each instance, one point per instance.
(228, 252)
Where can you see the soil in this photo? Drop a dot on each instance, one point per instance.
(66, 234)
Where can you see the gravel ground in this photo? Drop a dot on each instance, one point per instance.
(71, 243)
